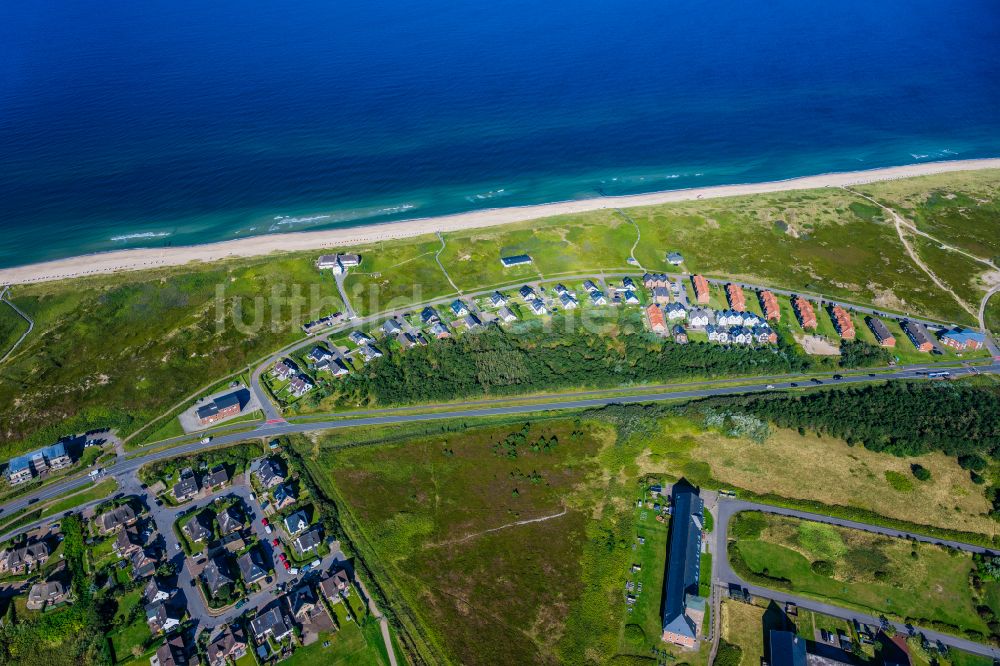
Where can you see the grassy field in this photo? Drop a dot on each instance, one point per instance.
(824, 469)
(12, 327)
(173, 331)
(351, 645)
(431, 526)
(96, 492)
(168, 344)
(859, 569)
(644, 624)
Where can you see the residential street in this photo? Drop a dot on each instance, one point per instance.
(723, 575)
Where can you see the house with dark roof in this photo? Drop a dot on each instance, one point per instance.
(217, 478)
(284, 369)
(295, 522)
(302, 602)
(680, 335)
(881, 331)
(115, 519)
(918, 335)
(25, 557)
(230, 519)
(683, 609)
(391, 327)
(299, 386)
(251, 566)
(498, 300)
(44, 594)
(127, 542)
(156, 590)
(230, 645)
(284, 495)
(271, 622)
(440, 330)
(199, 528)
(187, 485)
(675, 258)
(309, 540)
(506, 315)
(429, 316)
(215, 576)
(270, 473)
(459, 308)
(219, 408)
(143, 564)
(527, 293)
(318, 354)
(161, 617)
(787, 649)
(171, 653)
(336, 586)
(369, 353)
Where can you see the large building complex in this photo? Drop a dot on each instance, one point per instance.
(26, 467)
(683, 609)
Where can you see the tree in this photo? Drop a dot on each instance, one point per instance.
(921, 472)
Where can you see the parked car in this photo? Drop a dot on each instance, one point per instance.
(263, 521)
(275, 542)
(288, 565)
(267, 529)
(282, 557)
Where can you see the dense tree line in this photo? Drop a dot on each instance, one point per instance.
(858, 354)
(501, 362)
(905, 419)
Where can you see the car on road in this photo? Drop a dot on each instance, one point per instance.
(287, 565)
(206, 440)
(282, 557)
(816, 380)
(253, 498)
(177, 546)
(32, 500)
(241, 603)
(838, 376)
(793, 384)
(263, 521)
(275, 542)
(268, 530)
(194, 583)
(770, 386)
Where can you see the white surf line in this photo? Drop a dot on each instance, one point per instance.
(139, 259)
(497, 529)
(31, 323)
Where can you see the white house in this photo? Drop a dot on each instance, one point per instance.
(538, 307)
(699, 318)
(568, 302)
(675, 312)
(506, 315)
(597, 298)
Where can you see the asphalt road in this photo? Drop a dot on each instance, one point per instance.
(126, 466)
(723, 573)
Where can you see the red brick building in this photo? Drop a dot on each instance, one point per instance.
(701, 293)
(769, 304)
(804, 311)
(737, 300)
(842, 322)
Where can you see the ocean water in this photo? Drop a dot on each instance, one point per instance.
(127, 124)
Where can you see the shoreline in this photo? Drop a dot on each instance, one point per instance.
(137, 259)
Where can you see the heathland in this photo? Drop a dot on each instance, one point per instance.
(522, 535)
(120, 351)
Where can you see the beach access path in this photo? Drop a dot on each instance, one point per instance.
(142, 259)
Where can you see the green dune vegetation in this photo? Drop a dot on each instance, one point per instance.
(120, 351)
(923, 583)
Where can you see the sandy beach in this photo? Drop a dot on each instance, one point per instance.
(141, 259)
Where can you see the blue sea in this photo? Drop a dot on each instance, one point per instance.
(127, 124)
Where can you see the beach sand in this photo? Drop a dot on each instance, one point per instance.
(142, 259)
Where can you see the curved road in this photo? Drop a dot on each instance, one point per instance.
(722, 572)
